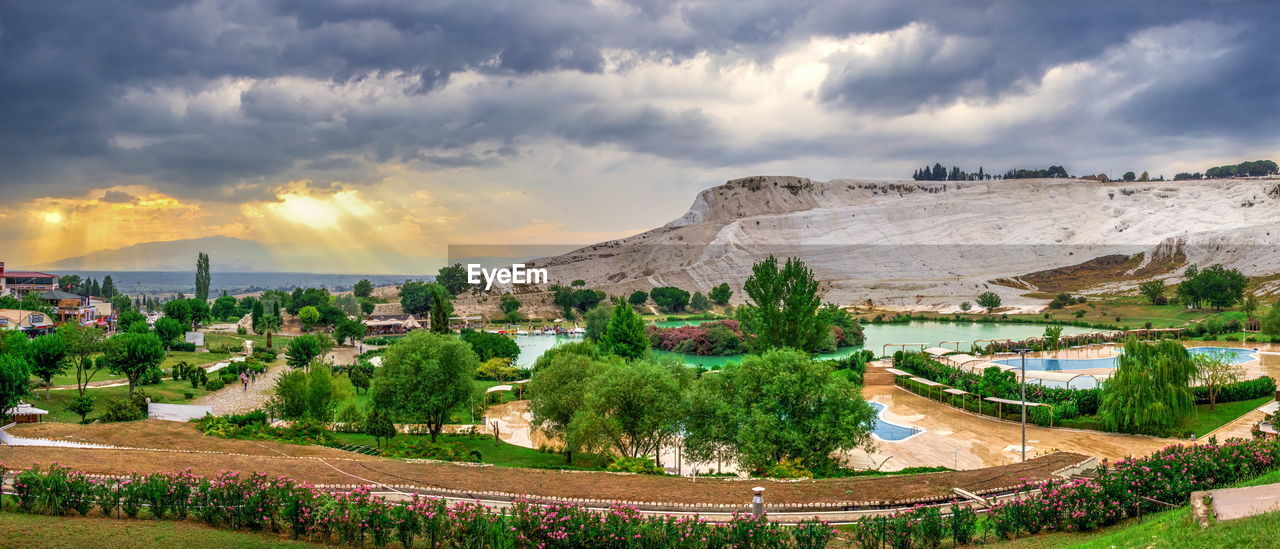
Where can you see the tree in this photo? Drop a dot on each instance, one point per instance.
(781, 405)
(255, 315)
(223, 308)
(965, 306)
(320, 393)
(83, 344)
(1148, 391)
(785, 302)
(721, 294)
(624, 336)
(699, 302)
(71, 283)
(1218, 286)
(291, 394)
(1052, 335)
(441, 308)
(597, 319)
(424, 377)
(670, 298)
(1271, 322)
(1144, 177)
(47, 355)
(168, 330)
(364, 288)
(557, 391)
(121, 303)
(509, 304)
(81, 405)
(1153, 290)
(633, 407)
(270, 324)
(638, 298)
(361, 374)
(1250, 305)
(347, 304)
(33, 302)
(378, 425)
(989, 301)
(498, 369)
(1215, 371)
(15, 376)
(179, 310)
(1130, 176)
(108, 287)
(349, 329)
(309, 316)
(203, 278)
(302, 350)
(453, 278)
(132, 354)
(487, 345)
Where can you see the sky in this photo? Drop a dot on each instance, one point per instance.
(406, 126)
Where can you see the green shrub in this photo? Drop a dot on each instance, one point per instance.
(182, 346)
(641, 465)
(420, 447)
(152, 376)
(125, 408)
(214, 384)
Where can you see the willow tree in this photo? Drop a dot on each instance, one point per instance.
(1149, 390)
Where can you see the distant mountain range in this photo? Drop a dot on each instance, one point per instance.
(229, 254)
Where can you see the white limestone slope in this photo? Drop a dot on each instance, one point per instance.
(934, 244)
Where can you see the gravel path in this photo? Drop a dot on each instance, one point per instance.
(232, 399)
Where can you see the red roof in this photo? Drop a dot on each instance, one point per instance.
(28, 274)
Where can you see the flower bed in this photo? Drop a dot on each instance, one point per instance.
(1123, 489)
(255, 502)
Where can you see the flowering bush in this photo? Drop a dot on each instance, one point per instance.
(1169, 475)
(255, 502)
(707, 339)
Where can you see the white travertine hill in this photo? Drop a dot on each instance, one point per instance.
(935, 244)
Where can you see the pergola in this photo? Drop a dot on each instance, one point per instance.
(929, 383)
(958, 393)
(884, 350)
(1002, 401)
(957, 343)
(992, 340)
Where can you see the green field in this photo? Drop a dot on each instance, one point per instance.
(42, 532)
(495, 452)
(1202, 423)
(167, 390)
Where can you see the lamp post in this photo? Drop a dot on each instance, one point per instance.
(757, 501)
(1023, 384)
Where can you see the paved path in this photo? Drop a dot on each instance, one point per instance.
(1234, 503)
(232, 399)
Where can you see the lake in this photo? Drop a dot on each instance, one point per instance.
(930, 332)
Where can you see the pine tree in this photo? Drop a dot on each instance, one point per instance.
(624, 336)
(108, 287)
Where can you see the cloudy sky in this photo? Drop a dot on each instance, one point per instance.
(408, 125)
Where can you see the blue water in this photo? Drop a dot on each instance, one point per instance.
(1236, 356)
(888, 431)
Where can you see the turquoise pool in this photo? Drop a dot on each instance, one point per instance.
(889, 431)
(1236, 356)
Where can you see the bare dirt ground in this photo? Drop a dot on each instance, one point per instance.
(328, 466)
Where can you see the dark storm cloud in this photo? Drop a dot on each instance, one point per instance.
(71, 71)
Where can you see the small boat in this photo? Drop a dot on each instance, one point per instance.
(577, 332)
(522, 332)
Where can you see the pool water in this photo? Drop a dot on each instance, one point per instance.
(889, 431)
(1235, 356)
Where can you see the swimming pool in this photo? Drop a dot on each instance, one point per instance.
(1234, 355)
(888, 431)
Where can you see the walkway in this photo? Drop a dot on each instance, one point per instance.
(963, 440)
(1234, 503)
(234, 400)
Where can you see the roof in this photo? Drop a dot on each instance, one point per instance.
(497, 389)
(1014, 402)
(939, 351)
(896, 372)
(956, 392)
(58, 294)
(928, 382)
(24, 409)
(27, 274)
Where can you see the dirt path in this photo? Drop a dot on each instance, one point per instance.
(233, 399)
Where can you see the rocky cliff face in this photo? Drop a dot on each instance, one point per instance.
(934, 244)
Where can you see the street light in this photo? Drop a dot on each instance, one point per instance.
(1023, 352)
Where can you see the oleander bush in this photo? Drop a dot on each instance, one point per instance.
(357, 517)
(1120, 490)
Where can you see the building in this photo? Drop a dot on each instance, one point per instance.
(26, 413)
(70, 307)
(20, 283)
(31, 322)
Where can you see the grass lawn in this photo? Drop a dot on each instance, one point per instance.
(1202, 423)
(259, 341)
(36, 531)
(496, 453)
(167, 390)
(462, 415)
